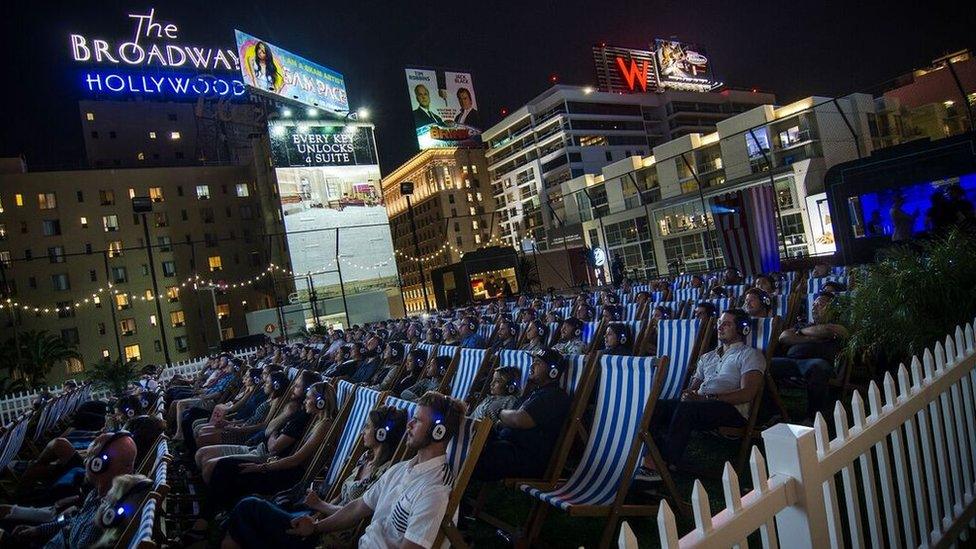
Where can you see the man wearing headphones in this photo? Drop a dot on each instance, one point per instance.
(506, 337)
(724, 384)
(811, 350)
(408, 502)
(109, 455)
(470, 338)
(524, 438)
(570, 338)
(757, 303)
(536, 335)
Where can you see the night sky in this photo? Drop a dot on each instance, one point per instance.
(512, 48)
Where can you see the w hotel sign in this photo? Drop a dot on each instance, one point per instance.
(624, 70)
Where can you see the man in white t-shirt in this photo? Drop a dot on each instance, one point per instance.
(408, 502)
(724, 384)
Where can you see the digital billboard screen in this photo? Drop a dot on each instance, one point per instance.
(682, 66)
(270, 69)
(445, 108)
(334, 216)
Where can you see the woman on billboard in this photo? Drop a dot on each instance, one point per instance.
(262, 68)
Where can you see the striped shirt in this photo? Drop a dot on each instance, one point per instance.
(408, 503)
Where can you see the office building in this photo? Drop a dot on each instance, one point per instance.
(453, 210)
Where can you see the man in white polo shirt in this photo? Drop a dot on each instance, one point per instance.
(409, 500)
(722, 387)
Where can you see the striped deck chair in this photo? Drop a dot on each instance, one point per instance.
(590, 331)
(781, 305)
(463, 373)
(463, 452)
(659, 296)
(814, 285)
(685, 294)
(839, 270)
(144, 531)
(631, 312)
(565, 312)
(446, 350)
(680, 341)
(292, 372)
(722, 303)
(160, 479)
(430, 348)
(677, 307)
(15, 435)
(409, 406)
(486, 330)
(343, 390)
(735, 291)
(363, 400)
(516, 359)
(627, 391)
(553, 332)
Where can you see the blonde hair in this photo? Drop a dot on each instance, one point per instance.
(124, 489)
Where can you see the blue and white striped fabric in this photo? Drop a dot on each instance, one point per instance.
(682, 281)
(676, 340)
(365, 399)
(625, 385)
(736, 290)
(575, 366)
(446, 350)
(457, 448)
(516, 359)
(408, 406)
(429, 348)
(292, 372)
(147, 524)
(839, 270)
(814, 285)
(781, 305)
(553, 332)
(565, 312)
(486, 330)
(589, 331)
(761, 335)
(636, 327)
(657, 296)
(722, 303)
(162, 473)
(785, 286)
(789, 275)
(685, 294)
(162, 449)
(636, 288)
(343, 390)
(14, 441)
(630, 312)
(675, 307)
(467, 370)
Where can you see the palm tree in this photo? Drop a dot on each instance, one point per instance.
(40, 352)
(114, 375)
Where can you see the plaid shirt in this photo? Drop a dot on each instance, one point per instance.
(78, 531)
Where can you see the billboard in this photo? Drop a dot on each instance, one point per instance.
(270, 69)
(335, 221)
(445, 108)
(624, 70)
(296, 144)
(682, 66)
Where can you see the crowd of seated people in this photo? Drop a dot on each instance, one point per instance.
(248, 428)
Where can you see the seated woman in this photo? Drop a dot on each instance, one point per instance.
(119, 507)
(237, 431)
(257, 522)
(433, 375)
(617, 340)
(536, 336)
(208, 432)
(433, 336)
(661, 312)
(503, 394)
(384, 376)
(277, 437)
(413, 371)
(236, 477)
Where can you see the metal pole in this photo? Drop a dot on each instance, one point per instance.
(213, 299)
(962, 93)
(277, 300)
(5, 294)
(311, 298)
(155, 284)
(342, 286)
(416, 251)
(709, 261)
(111, 306)
(850, 128)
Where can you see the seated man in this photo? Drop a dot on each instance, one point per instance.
(506, 336)
(524, 438)
(810, 353)
(408, 502)
(470, 338)
(536, 335)
(724, 384)
(757, 303)
(570, 338)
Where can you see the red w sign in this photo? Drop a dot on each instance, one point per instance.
(634, 74)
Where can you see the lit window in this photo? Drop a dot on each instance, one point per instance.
(104, 353)
(132, 353)
(47, 201)
(149, 294)
(132, 193)
(203, 192)
(84, 222)
(152, 135)
(97, 301)
(176, 318)
(156, 194)
(223, 311)
(215, 263)
(152, 320)
(172, 293)
(90, 116)
(471, 210)
(474, 224)
(242, 190)
(127, 326)
(115, 248)
(121, 301)
(19, 199)
(174, 135)
(477, 239)
(110, 223)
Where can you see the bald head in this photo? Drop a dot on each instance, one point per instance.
(119, 456)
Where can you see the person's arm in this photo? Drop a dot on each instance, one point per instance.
(516, 419)
(751, 382)
(304, 452)
(343, 519)
(825, 331)
(794, 337)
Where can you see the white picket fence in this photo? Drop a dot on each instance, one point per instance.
(906, 469)
(14, 405)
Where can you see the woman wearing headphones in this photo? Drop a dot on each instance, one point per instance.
(235, 477)
(119, 507)
(384, 376)
(535, 336)
(617, 340)
(257, 522)
(239, 429)
(503, 394)
(413, 370)
(436, 370)
(245, 405)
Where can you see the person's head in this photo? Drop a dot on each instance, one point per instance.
(553, 316)
(757, 303)
(450, 332)
(547, 366)
(705, 310)
(254, 378)
(110, 455)
(613, 313)
(662, 312)
(320, 398)
(120, 506)
(642, 297)
(820, 307)
(145, 431)
(373, 342)
(422, 94)
(383, 430)
(571, 328)
(820, 270)
(697, 282)
(732, 276)
(464, 99)
(305, 380)
(766, 284)
(433, 335)
(506, 330)
(129, 407)
(261, 52)
(469, 325)
(617, 335)
(733, 326)
(277, 384)
(436, 421)
(505, 381)
(437, 366)
(537, 329)
(584, 313)
(393, 353)
(717, 292)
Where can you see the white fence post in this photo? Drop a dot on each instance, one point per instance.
(791, 450)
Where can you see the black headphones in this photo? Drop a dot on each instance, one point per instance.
(118, 511)
(743, 322)
(419, 357)
(438, 429)
(472, 326)
(276, 380)
(99, 460)
(126, 407)
(577, 326)
(541, 328)
(383, 431)
(620, 331)
(395, 350)
(144, 401)
(512, 386)
(442, 365)
(320, 401)
(451, 329)
(665, 311)
(763, 296)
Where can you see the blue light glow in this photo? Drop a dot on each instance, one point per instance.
(168, 84)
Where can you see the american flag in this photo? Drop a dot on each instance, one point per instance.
(746, 222)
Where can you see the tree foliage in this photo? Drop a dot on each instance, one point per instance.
(113, 375)
(39, 353)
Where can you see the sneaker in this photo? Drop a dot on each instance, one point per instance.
(647, 475)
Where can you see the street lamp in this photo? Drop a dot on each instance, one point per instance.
(406, 189)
